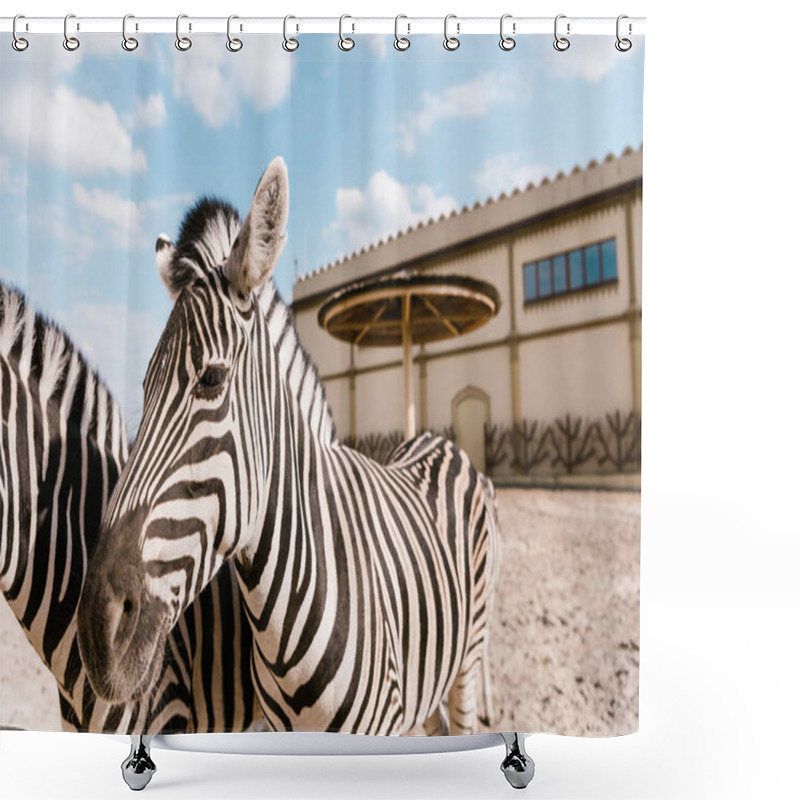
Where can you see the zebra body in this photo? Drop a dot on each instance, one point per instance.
(368, 587)
(62, 450)
(399, 622)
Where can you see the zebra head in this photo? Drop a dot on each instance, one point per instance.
(193, 487)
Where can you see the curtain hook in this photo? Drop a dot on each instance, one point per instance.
(400, 42)
(451, 42)
(18, 43)
(623, 45)
(561, 43)
(345, 42)
(128, 42)
(70, 42)
(234, 45)
(290, 45)
(507, 42)
(183, 43)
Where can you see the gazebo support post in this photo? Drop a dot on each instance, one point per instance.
(408, 366)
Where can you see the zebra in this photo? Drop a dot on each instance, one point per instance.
(368, 587)
(62, 450)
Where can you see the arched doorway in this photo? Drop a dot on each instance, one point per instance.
(471, 412)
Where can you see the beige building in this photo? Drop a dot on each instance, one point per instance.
(549, 390)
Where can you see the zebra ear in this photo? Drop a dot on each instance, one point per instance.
(261, 237)
(165, 251)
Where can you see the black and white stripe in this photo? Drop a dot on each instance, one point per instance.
(62, 450)
(368, 586)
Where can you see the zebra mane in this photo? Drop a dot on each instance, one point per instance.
(44, 355)
(206, 237)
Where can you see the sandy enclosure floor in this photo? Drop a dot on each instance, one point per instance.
(565, 630)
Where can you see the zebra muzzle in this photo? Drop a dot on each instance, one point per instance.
(120, 627)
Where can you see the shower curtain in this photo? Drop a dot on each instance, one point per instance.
(462, 264)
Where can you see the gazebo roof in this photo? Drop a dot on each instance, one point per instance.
(439, 307)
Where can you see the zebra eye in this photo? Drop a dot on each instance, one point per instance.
(211, 380)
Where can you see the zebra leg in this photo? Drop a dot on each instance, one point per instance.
(436, 724)
(138, 768)
(517, 766)
(488, 705)
(461, 703)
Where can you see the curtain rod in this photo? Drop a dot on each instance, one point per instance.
(459, 26)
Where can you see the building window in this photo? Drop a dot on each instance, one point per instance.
(576, 269)
(608, 252)
(591, 259)
(545, 280)
(560, 274)
(586, 267)
(529, 274)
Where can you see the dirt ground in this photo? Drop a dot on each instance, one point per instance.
(28, 693)
(565, 633)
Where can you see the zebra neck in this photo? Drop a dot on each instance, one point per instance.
(292, 577)
(37, 564)
(62, 444)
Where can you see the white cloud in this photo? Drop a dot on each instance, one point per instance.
(378, 44)
(216, 82)
(113, 208)
(109, 45)
(125, 222)
(11, 181)
(148, 113)
(503, 172)
(51, 55)
(70, 131)
(385, 206)
(117, 341)
(591, 59)
(468, 100)
(76, 243)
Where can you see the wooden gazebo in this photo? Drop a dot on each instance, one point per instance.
(407, 309)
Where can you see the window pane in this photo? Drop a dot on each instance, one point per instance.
(545, 284)
(609, 249)
(529, 275)
(575, 269)
(592, 265)
(560, 274)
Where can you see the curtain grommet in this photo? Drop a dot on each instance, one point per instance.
(561, 43)
(401, 43)
(19, 43)
(289, 44)
(345, 42)
(129, 43)
(233, 44)
(623, 44)
(71, 43)
(451, 43)
(183, 43)
(507, 43)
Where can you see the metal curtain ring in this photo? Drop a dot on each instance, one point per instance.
(623, 45)
(400, 42)
(128, 42)
(290, 45)
(18, 43)
(234, 45)
(507, 42)
(183, 43)
(345, 42)
(561, 43)
(451, 42)
(70, 42)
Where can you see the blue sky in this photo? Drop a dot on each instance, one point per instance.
(102, 150)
